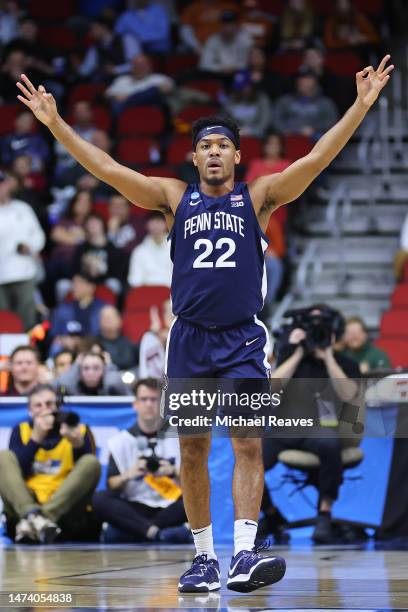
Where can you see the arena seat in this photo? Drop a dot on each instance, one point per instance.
(135, 324)
(10, 323)
(164, 171)
(370, 7)
(274, 8)
(141, 120)
(101, 207)
(8, 113)
(343, 63)
(177, 63)
(397, 350)
(251, 148)
(394, 324)
(191, 113)
(101, 118)
(178, 149)
(141, 298)
(406, 271)
(106, 294)
(286, 64)
(86, 91)
(399, 298)
(44, 9)
(136, 150)
(59, 37)
(296, 145)
(209, 86)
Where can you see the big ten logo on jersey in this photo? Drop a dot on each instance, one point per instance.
(237, 200)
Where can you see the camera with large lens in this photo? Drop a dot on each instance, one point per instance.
(69, 418)
(319, 323)
(153, 460)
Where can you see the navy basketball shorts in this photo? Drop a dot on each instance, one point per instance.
(225, 370)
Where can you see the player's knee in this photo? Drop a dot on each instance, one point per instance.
(194, 449)
(248, 449)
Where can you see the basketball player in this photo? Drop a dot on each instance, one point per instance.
(217, 242)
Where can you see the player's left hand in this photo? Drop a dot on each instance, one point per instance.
(370, 82)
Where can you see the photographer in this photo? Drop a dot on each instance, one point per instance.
(143, 501)
(306, 351)
(49, 473)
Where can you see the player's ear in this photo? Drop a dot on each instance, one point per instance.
(237, 157)
(194, 158)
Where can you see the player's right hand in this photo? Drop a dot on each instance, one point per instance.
(41, 103)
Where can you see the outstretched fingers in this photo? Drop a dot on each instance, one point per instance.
(386, 72)
(382, 64)
(24, 90)
(28, 83)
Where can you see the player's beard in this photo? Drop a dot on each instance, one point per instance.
(215, 181)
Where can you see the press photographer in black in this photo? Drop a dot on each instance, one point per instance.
(143, 501)
(305, 351)
(49, 473)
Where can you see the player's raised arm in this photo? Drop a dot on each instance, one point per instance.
(145, 191)
(275, 190)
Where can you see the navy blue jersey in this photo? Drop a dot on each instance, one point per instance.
(217, 249)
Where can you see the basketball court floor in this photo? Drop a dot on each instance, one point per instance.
(130, 577)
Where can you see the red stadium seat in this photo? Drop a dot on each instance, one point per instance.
(323, 7)
(106, 295)
(274, 8)
(8, 113)
(135, 324)
(191, 113)
(44, 9)
(136, 150)
(86, 91)
(343, 63)
(399, 298)
(211, 87)
(101, 118)
(101, 207)
(251, 148)
(176, 64)
(406, 271)
(296, 146)
(369, 7)
(141, 120)
(10, 323)
(164, 171)
(286, 64)
(394, 324)
(178, 149)
(58, 37)
(141, 298)
(397, 350)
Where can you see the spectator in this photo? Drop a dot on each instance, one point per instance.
(142, 86)
(347, 27)
(226, 51)
(150, 262)
(123, 352)
(66, 169)
(153, 342)
(81, 315)
(67, 234)
(401, 257)
(110, 54)
(91, 376)
(24, 141)
(144, 500)
(306, 111)
(311, 396)
(249, 107)
(40, 59)
(24, 371)
(14, 65)
(358, 347)
(297, 25)
(19, 250)
(32, 183)
(98, 258)
(257, 22)
(63, 361)
(8, 21)
(123, 229)
(261, 75)
(100, 190)
(149, 22)
(201, 19)
(272, 160)
(48, 475)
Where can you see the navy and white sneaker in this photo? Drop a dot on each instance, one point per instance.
(202, 577)
(249, 570)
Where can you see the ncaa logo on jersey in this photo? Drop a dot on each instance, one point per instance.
(237, 200)
(194, 196)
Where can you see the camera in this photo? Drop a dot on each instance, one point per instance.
(152, 460)
(320, 327)
(70, 418)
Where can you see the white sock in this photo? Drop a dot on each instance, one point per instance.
(244, 535)
(204, 543)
